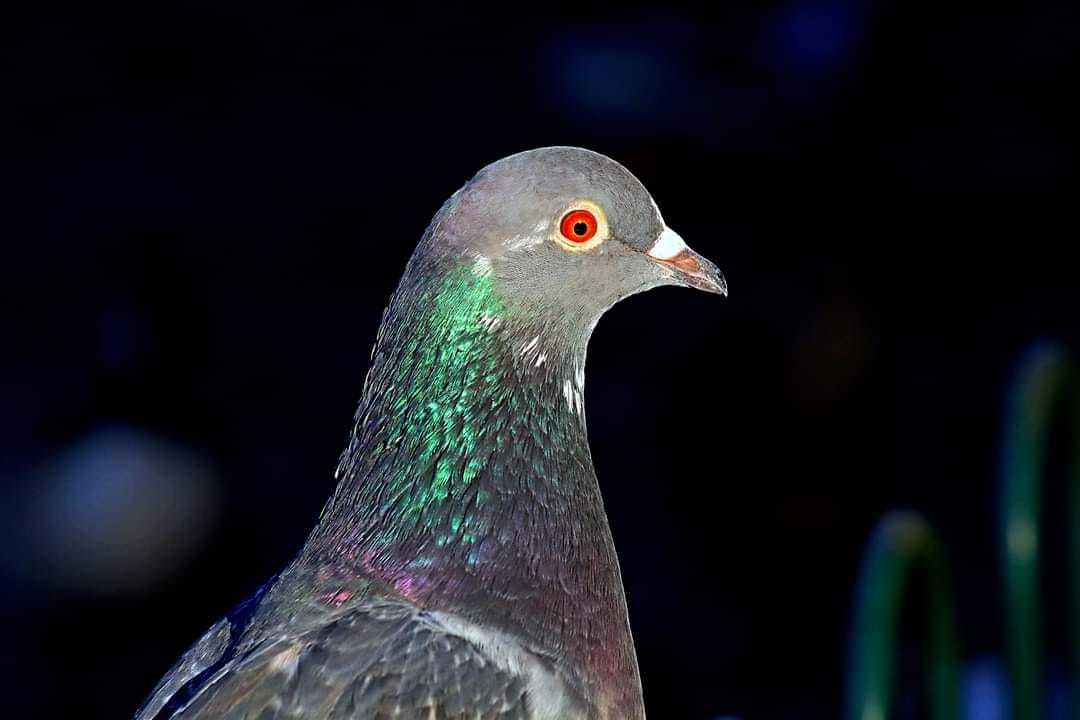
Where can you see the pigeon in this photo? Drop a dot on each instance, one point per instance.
(464, 566)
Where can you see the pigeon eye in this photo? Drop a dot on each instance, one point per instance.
(583, 226)
(578, 226)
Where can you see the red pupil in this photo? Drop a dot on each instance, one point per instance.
(579, 226)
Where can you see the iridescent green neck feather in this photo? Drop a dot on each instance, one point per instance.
(467, 484)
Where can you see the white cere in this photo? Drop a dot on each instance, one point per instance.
(668, 245)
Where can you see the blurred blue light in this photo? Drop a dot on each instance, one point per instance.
(1060, 695)
(818, 34)
(611, 79)
(120, 510)
(985, 691)
(633, 75)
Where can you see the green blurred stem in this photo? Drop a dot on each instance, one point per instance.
(902, 543)
(1043, 379)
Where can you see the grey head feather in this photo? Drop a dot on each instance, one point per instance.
(506, 219)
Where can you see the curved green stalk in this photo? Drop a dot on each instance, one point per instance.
(901, 543)
(1042, 380)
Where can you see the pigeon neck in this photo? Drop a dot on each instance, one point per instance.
(467, 483)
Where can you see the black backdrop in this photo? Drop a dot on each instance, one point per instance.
(208, 204)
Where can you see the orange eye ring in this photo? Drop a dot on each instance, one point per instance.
(578, 226)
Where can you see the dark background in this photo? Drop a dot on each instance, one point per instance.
(208, 204)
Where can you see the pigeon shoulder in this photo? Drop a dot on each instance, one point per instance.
(211, 651)
(202, 655)
(363, 656)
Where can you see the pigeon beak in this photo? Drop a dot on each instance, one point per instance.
(691, 269)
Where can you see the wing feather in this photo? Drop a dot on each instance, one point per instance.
(381, 661)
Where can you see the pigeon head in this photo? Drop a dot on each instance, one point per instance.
(563, 234)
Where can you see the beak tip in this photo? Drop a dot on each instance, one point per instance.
(715, 285)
